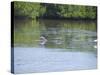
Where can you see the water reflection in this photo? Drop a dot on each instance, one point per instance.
(63, 34)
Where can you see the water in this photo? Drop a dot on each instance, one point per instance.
(51, 45)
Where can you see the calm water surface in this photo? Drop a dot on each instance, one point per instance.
(51, 45)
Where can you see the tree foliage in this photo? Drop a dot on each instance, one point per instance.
(46, 10)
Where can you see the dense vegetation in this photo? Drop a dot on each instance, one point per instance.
(46, 10)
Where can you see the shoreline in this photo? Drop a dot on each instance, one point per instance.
(74, 19)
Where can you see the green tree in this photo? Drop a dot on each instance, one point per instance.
(47, 10)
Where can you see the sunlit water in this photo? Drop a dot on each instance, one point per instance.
(54, 45)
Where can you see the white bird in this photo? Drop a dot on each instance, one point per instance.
(95, 40)
(43, 40)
